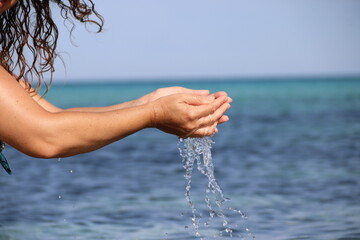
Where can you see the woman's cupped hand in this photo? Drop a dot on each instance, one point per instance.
(194, 114)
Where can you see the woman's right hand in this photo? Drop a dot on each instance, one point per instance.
(189, 115)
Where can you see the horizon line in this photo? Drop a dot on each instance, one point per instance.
(207, 78)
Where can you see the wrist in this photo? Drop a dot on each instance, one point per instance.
(153, 113)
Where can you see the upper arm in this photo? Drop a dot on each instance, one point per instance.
(21, 117)
(39, 99)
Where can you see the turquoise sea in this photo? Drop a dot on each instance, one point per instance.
(289, 158)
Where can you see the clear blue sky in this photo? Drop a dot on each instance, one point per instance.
(209, 38)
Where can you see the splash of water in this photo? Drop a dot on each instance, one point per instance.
(198, 151)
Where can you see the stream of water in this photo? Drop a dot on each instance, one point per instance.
(197, 151)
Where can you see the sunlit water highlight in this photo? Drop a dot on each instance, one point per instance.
(198, 151)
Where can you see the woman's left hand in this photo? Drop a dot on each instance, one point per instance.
(163, 92)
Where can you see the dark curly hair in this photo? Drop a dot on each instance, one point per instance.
(28, 36)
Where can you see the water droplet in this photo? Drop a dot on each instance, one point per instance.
(225, 223)
(59, 196)
(59, 159)
(186, 227)
(71, 171)
(228, 230)
(197, 234)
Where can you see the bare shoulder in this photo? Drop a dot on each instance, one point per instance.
(11, 89)
(17, 107)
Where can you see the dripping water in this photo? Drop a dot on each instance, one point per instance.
(197, 151)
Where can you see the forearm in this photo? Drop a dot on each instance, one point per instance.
(44, 134)
(71, 133)
(103, 109)
(51, 108)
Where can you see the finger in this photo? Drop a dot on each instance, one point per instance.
(205, 110)
(203, 132)
(219, 94)
(215, 117)
(199, 92)
(197, 100)
(202, 92)
(220, 111)
(222, 119)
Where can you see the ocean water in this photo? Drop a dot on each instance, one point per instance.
(289, 158)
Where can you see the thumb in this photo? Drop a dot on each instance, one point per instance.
(195, 100)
